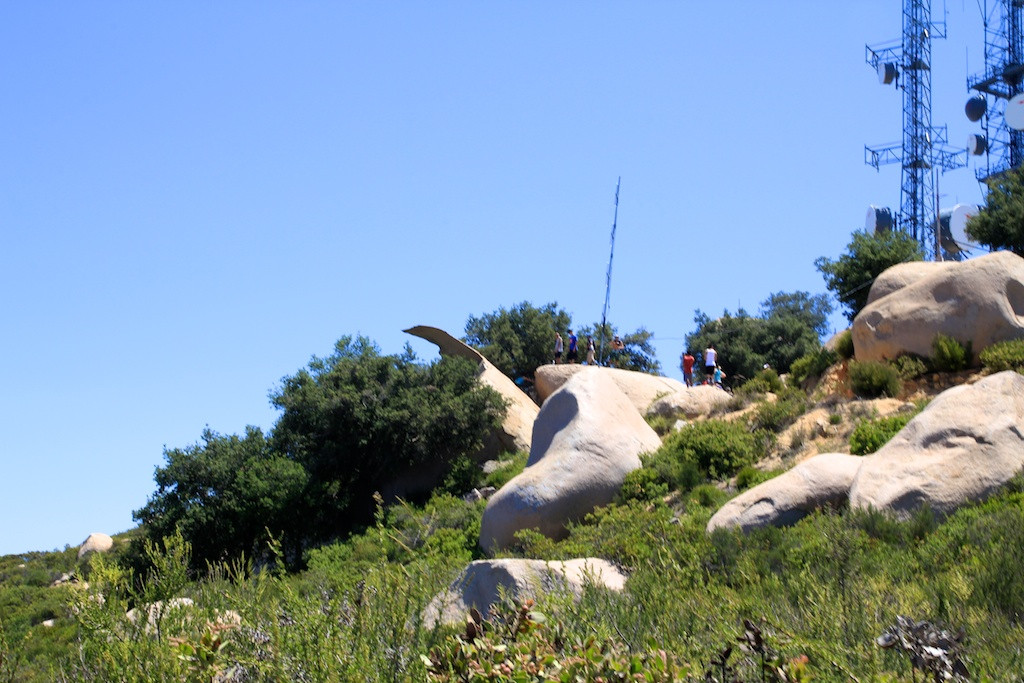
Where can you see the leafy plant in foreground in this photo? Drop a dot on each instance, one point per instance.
(873, 379)
(950, 355)
(870, 435)
(1005, 355)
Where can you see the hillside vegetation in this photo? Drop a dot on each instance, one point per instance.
(298, 569)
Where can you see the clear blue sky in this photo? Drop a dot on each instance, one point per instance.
(195, 198)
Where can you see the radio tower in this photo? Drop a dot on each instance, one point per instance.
(924, 149)
(1002, 141)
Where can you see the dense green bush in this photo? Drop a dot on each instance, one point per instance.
(811, 365)
(950, 355)
(844, 344)
(766, 380)
(1005, 355)
(750, 476)
(774, 416)
(643, 484)
(872, 379)
(910, 365)
(717, 447)
(508, 467)
(870, 435)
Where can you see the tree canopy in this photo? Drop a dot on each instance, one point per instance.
(352, 424)
(868, 254)
(519, 339)
(789, 326)
(1000, 224)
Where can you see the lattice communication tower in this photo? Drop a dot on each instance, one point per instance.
(924, 148)
(998, 102)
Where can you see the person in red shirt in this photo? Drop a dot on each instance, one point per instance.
(688, 361)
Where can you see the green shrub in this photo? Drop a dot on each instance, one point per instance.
(835, 418)
(775, 416)
(716, 447)
(873, 379)
(811, 365)
(766, 380)
(750, 476)
(844, 345)
(870, 435)
(661, 424)
(1005, 355)
(950, 355)
(508, 467)
(643, 484)
(910, 365)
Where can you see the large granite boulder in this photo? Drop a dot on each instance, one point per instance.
(521, 411)
(95, 543)
(478, 584)
(980, 300)
(690, 402)
(820, 481)
(965, 445)
(640, 387)
(587, 438)
(903, 274)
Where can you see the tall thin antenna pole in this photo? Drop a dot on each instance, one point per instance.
(608, 279)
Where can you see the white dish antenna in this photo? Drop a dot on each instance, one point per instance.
(958, 225)
(1014, 114)
(977, 145)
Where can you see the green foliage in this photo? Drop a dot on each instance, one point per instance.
(811, 365)
(1004, 355)
(519, 339)
(788, 327)
(844, 344)
(750, 476)
(717, 448)
(518, 643)
(223, 496)
(507, 468)
(910, 365)
(870, 435)
(661, 424)
(644, 484)
(766, 380)
(950, 355)
(774, 416)
(867, 255)
(358, 420)
(1000, 223)
(873, 379)
(639, 354)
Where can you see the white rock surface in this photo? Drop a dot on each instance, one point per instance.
(823, 480)
(478, 584)
(980, 300)
(965, 445)
(690, 402)
(587, 438)
(95, 543)
(640, 387)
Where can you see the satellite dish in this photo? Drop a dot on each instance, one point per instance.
(958, 219)
(887, 72)
(1014, 114)
(975, 107)
(977, 145)
(879, 219)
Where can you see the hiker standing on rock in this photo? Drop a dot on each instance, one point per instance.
(558, 348)
(590, 351)
(710, 361)
(573, 354)
(688, 362)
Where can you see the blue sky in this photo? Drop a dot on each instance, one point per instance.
(195, 198)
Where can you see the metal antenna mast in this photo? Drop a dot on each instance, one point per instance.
(924, 146)
(608, 279)
(1002, 141)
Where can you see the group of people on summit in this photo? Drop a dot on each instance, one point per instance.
(573, 355)
(712, 370)
(713, 374)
